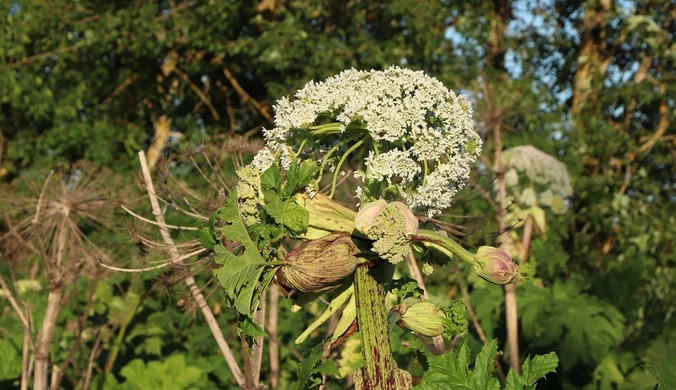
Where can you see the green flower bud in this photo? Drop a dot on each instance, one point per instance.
(424, 318)
(495, 266)
(428, 319)
(411, 226)
(320, 264)
(427, 269)
(248, 195)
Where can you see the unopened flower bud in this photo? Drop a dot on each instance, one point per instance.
(411, 226)
(427, 269)
(366, 217)
(424, 318)
(428, 319)
(320, 264)
(495, 266)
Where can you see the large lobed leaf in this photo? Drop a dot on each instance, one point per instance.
(452, 371)
(583, 327)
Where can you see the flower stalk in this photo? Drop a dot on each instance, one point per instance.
(491, 264)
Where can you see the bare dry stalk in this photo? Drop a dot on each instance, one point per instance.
(273, 344)
(27, 342)
(16, 307)
(258, 347)
(189, 280)
(511, 318)
(92, 359)
(44, 337)
(55, 375)
(527, 238)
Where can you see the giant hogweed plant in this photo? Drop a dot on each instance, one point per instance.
(420, 144)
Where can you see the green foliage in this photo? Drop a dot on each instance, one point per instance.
(453, 370)
(584, 327)
(456, 321)
(10, 357)
(287, 213)
(665, 372)
(239, 274)
(488, 305)
(172, 373)
(531, 371)
(406, 288)
(89, 81)
(311, 369)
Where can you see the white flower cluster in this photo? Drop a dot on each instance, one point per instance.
(395, 163)
(263, 160)
(539, 167)
(411, 117)
(396, 105)
(439, 188)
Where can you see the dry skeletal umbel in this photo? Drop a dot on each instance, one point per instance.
(320, 264)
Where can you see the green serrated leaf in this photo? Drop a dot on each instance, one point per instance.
(531, 371)
(514, 381)
(298, 177)
(249, 329)
(447, 371)
(207, 234)
(539, 366)
(238, 274)
(311, 369)
(481, 377)
(584, 326)
(271, 179)
(451, 371)
(665, 372)
(287, 213)
(405, 288)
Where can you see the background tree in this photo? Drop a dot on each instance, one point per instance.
(590, 82)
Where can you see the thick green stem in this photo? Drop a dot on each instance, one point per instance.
(380, 371)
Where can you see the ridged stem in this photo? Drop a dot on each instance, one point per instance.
(380, 371)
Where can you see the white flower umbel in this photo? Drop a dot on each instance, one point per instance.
(418, 134)
(395, 163)
(540, 168)
(263, 160)
(439, 187)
